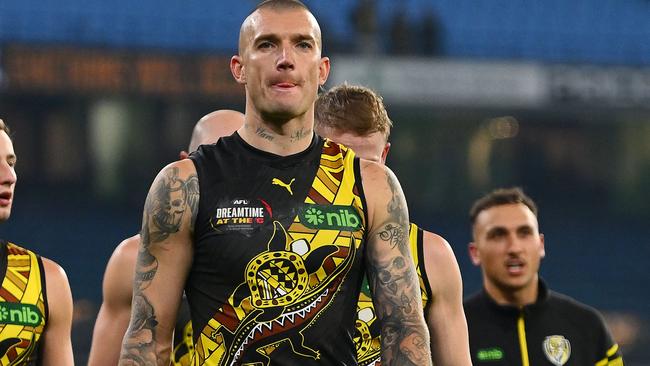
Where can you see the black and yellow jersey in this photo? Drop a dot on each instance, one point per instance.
(278, 255)
(556, 330)
(23, 305)
(368, 331)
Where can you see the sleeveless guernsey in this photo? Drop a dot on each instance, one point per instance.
(368, 331)
(278, 253)
(23, 305)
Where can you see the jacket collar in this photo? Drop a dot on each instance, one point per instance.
(542, 297)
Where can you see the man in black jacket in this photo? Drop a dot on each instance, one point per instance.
(516, 319)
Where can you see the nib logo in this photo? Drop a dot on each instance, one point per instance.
(314, 216)
(20, 314)
(332, 217)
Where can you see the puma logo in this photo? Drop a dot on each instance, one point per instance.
(280, 183)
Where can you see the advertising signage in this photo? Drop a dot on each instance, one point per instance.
(58, 69)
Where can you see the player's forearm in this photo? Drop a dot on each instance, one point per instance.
(396, 290)
(449, 340)
(405, 338)
(140, 345)
(107, 339)
(396, 293)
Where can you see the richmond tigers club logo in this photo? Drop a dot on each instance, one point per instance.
(557, 349)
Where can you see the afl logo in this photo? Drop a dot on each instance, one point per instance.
(240, 215)
(557, 349)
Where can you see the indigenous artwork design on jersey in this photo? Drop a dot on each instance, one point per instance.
(290, 286)
(22, 308)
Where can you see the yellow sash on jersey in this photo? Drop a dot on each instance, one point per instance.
(22, 307)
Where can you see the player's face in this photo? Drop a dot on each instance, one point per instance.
(7, 175)
(508, 247)
(281, 63)
(371, 147)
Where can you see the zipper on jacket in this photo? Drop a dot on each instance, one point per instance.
(523, 346)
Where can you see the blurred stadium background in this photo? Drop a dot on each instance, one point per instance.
(553, 96)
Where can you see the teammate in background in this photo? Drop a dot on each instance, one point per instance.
(268, 230)
(516, 319)
(35, 297)
(355, 116)
(213, 126)
(113, 317)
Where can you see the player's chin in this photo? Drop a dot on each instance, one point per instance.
(517, 282)
(4, 216)
(284, 111)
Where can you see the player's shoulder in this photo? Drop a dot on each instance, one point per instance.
(377, 177)
(373, 168)
(574, 309)
(183, 167)
(127, 250)
(437, 249)
(383, 194)
(434, 241)
(179, 174)
(53, 271)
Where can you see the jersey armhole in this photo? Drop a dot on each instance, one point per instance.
(193, 157)
(364, 206)
(41, 268)
(421, 264)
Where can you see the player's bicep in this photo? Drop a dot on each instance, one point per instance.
(117, 284)
(443, 272)
(388, 255)
(57, 345)
(165, 249)
(445, 315)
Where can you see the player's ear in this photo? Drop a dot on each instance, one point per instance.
(323, 70)
(237, 69)
(384, 153)
(183, 155)
(474, 254)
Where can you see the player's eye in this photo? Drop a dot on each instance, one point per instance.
(265, 45)
(305, 45)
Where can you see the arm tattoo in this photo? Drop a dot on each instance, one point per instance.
(405, 338)
(392, 234)
(138, 347)
(164, 210)
(396, 208)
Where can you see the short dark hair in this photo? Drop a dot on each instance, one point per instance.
(281, 4)
(353, 108)
(498, 197)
